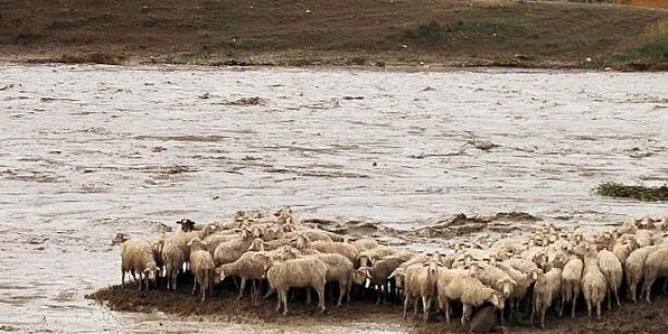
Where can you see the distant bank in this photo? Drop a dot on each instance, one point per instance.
(444, 33)
(644, 3)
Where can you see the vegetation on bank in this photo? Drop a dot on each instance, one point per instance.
(340, 33)
(642, 193)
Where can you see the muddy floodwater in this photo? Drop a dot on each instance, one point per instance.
(87, 151)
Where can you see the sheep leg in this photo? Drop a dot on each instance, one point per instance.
(253, 292)
(426, 305)
(194, 286)
(466, 313)
(561, 307)
(533, 312)
(406, 298)
(415, 307)
(616, 293)
(608, 295)
(285, 303)
(647, 287)
(308, 296)
(632, 291)
(175, 274)
(542, 317)
(122, 278)
(141, 281)
(379, 293)
(576, 293)
(588, 309)
(270, 291)
(279, 300)
(321, 297)
(242, 288)
(598, 311)
(342, 291)
(447, 310)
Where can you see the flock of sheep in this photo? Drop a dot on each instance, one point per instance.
(554, 267)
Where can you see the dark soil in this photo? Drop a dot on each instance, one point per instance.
(345, 32)
(631, 319)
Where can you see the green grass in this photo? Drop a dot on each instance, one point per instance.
(651, 52)
(618, 190)
(465, 31)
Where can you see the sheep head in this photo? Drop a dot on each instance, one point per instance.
(152, 273)
(360, 275)
(119, 238)
(196, 244)
(266, 261)
(187, 225)
(364, 260)
(257, 245)
(219, 275)
(506, 285)
(256, 232)
(497, 300)
(303, 242)
(398, 275)
(289, 253)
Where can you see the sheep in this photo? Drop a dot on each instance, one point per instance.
(494, 278)
(656, 266)
(523, 282)
(230, 251)
(312, 235)
(247, 266)
(188, 225)
(420, 282)
(378, 275)
(347, 250)
(623, 248)
(445, 276)
(371, 255)
(546, 289)
(297, 273)
(525, 266)
(202, 266)
(472, 293)
(614, 274)
(339, 269)
(634, 268)
(571, 280)
(593, 282)
(173, 256)
(137, 257)
(364, 244)
(643, 237)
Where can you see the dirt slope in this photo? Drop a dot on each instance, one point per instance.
(339, 32)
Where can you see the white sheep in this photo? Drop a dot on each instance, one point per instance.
(472, 293)
(173, 256)
(202, 266)
(230, 251)
(297, 273)
(445, 277)
(347, 250)
(546, 289)
(656, 266)
(137, 258)
(593, 283)
(420, 282)
(339, 269)
(571, 281)
(634, 268)
(613, 272)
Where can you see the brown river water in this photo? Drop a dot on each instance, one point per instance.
(87, 151)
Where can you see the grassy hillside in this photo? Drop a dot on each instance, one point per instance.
(342, 32)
